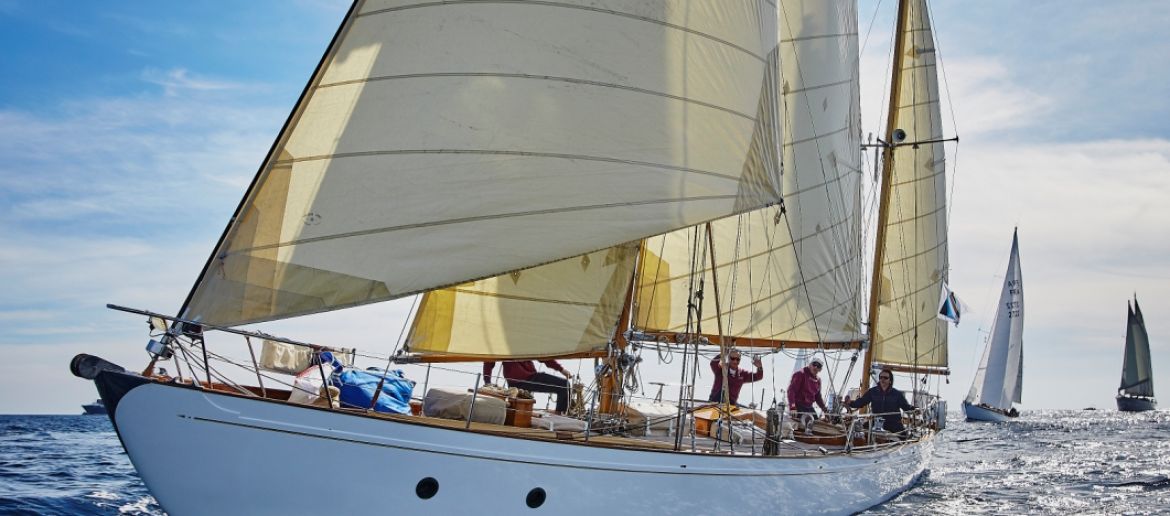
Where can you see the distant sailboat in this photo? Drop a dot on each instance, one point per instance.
(999, 380)
(1136, 393)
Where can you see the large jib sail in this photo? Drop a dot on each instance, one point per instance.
(420, 157)
(791, 275)
(1137, 377)
(911, 266)
(998, 379)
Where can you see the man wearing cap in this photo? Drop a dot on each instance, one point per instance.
(736, 377)
(805, 389)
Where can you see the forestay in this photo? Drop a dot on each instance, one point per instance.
(791, 276)
(914, 266)
(444, 142)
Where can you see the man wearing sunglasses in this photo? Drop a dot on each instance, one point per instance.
(885, 401)
(805, 389)
(736, 377)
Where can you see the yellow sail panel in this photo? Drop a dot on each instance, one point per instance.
(563, 308)
(914, 265)
(444, 142)
(791, 275)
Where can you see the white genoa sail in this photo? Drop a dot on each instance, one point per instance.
(1137, 376)
(791, 275)
(998, 380)
(444, 142)
(913, 264)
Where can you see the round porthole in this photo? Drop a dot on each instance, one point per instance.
(426, 488)
(535, 498)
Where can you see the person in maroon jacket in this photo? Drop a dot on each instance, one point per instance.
(736, 377)
(523, 375)
(805, 389)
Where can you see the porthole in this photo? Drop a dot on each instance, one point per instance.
(535, 498)
(426, 488)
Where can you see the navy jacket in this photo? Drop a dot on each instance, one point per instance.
(887, 403)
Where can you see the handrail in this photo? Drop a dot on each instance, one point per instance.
(226, 329)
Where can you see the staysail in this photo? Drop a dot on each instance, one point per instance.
(998, 379)
(911, 266)
(787, 275)
(565, 308)
(1137, 377)
(420, 156)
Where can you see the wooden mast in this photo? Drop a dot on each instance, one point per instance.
(887, 172)
(610, 384)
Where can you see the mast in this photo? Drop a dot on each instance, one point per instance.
(887, 172)
(610, 384)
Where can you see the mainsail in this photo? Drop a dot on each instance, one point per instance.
(444, 142)
(789, 275)
(998, 379)
(1137, 377)
(912, 266)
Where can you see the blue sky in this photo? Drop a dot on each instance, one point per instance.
(130, 129)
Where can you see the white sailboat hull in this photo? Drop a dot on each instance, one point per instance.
(202, 452)
(977, 413)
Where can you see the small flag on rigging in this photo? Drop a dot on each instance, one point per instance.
(951, 307)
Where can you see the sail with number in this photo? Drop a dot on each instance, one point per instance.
(664, 115)
(998, 381)
(912, 266)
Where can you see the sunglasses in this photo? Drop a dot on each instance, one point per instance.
(883, 378)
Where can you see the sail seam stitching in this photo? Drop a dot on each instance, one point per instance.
(488, 152)
(928, 214)
(569, 6)
(569, 80)
(525, 298)
(461, 220)
(846, 82)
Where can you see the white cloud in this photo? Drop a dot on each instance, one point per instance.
(178, 80)
(988, 101)
(133, 160)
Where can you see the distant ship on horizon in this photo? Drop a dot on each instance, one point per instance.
(97, 408)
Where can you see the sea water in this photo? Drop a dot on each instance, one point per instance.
(1045, 462)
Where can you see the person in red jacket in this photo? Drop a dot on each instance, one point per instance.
(805, 389)
(523, 375)
(736, 377)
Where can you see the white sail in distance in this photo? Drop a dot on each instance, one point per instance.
(998, 381)
(444, 142)
(1137, 376)
(790, 276)
(913, 267)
